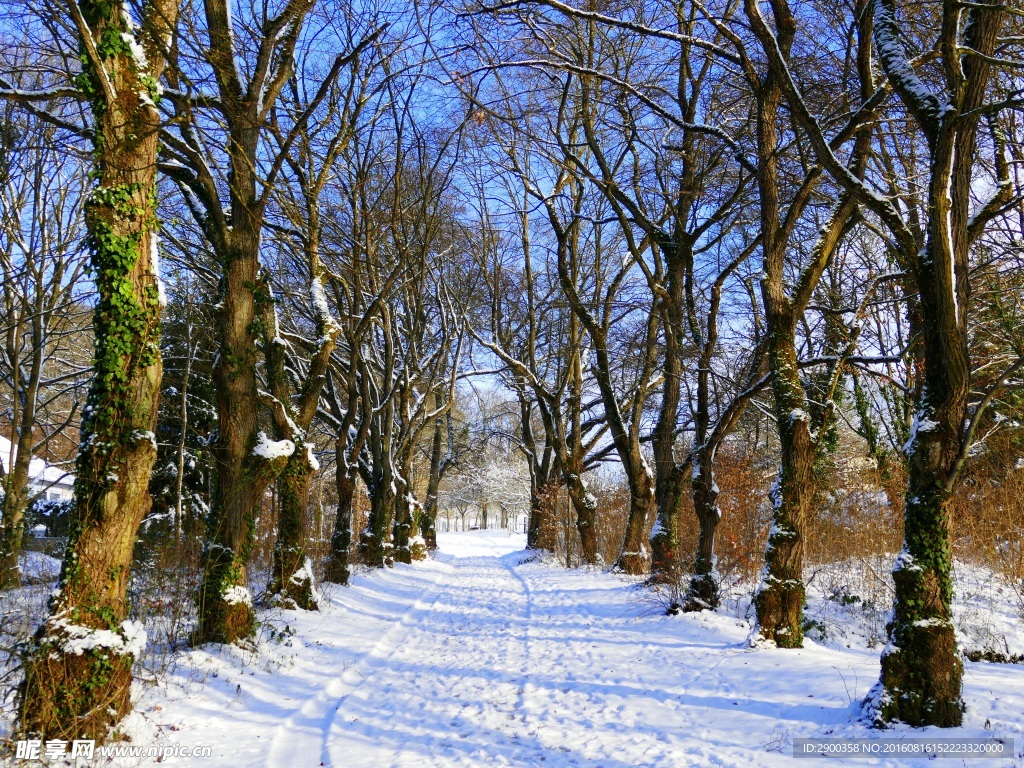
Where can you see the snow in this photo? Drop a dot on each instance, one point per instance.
(311, 457)
(154, 252)
(896, 63)
(322, 306)
(147, 436)
(306, 574)
(905, 562)
(40, 473)
(488, 656)
(921, 423)
(130, 640)
(236, 594)
(799, 414)
(272, 449)
(137, 51)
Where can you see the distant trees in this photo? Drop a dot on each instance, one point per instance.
(495, 493)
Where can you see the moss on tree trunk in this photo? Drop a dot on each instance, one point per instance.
(921, 668)
(292, 578)
(780, 597)
(922, 672)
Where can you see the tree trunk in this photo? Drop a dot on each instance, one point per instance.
(13, 507)
(401, 531)
(534, 523)
(668, 480)
(429, 531)
(408, 547)
(585, 506)
(292, 577)
(243, 473)
(780, 597)
(921, 668)
(338, 568)
(376, 548)
(68, 693)
(665, 545)
(635, 558)
(922, 672)
(702, 594)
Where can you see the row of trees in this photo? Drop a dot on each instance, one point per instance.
(647, 223)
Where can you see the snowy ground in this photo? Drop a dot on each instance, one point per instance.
(480, 658)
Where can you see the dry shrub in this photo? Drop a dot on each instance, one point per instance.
(743, 530)
(987, 524)
(559, 534)
(165, 581)
(854, 519)
(612, 516)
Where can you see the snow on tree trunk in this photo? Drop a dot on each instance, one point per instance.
(780, 597)
(291, 579)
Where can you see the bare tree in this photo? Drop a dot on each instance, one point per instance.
(42, 314)
(228, 195)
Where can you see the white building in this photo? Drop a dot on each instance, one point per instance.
(53, 483)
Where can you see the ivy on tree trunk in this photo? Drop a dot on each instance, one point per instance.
(68, 693)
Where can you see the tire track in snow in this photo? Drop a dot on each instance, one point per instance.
(527, 623)
(304, 732)
(583, 703)
(461, 670)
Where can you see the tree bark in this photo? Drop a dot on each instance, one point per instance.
(376, 547)
(13, 507)
(780, 597)
(584, 504)
(338, 567)
(922, 673)
(702, 593)
(635, 558)
(292, 575)
(225, 606)
(429, 529)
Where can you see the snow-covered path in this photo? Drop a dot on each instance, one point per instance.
(479, 658)
(446, 684)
